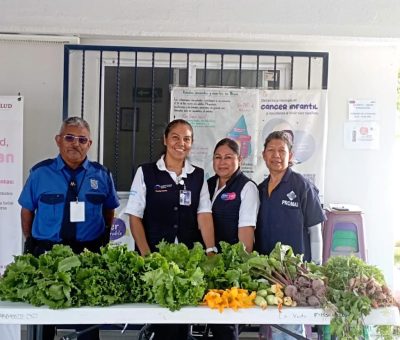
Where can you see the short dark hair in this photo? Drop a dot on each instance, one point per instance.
(75, 121)
(230, 143)
(282, 135)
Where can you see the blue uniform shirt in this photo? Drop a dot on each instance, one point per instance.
(286, 215)
(45, 191)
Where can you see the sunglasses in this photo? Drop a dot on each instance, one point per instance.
(72, 138)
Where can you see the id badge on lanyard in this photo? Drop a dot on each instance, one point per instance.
(77, 211)
(76, 208)
(185, 197)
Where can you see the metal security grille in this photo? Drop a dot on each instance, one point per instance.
(124, 91)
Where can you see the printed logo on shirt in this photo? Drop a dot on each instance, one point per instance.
(162, 187)
(290, 203)
(291, 195)
(94, 183)
(228, 196)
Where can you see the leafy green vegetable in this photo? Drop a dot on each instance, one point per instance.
(17, 283)
(232, 268)
(234, 254)
(97, 287)
(172, 277)
(54, 282)
(177, 276)
(181, 255)
(350, 305)
(214, 271)
(54, 290)
(124, 268)
(174, 288)
(340, 269)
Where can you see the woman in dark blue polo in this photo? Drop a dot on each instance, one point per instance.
(290, 210)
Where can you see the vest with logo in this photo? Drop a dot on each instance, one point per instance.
(164, 218)
(226, 207)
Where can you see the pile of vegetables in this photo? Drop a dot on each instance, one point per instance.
(176, 276)
(293, 282)
(172, 278)
(354, 289)
(61, 279)
(273, 296)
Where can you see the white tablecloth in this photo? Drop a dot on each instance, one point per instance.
(22, 313)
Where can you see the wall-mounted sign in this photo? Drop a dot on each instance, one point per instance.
(362, 109)
(145, 94)
(361, 135)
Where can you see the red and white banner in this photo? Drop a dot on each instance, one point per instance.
(11, 161)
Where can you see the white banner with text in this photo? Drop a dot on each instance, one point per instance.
(11, 161)
(248, 116)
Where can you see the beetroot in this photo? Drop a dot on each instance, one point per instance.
(313, 301)
(317, 284)
(290, 290)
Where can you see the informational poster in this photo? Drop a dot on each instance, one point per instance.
(361, 135)
(362, 109)
(302, 113)
(11, 157)
(216, 113)
(248, 116)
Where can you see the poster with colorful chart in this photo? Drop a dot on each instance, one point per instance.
(216, 113)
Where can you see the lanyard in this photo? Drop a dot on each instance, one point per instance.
(180, 182)
(72, 183)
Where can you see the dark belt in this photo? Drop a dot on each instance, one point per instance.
(37, 247)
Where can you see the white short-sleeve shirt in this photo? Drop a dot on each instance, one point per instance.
(250, 203)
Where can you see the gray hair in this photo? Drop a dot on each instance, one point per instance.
(74, 121)
(286, 136)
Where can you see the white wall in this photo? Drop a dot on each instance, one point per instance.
(360, 68)
(35, 71)
(365, 177)
(247, 19)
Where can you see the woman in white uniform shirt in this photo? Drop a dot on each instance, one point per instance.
(235, 198)
(235, 202)
(169, 201)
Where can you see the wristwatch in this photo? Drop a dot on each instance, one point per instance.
(212, 250)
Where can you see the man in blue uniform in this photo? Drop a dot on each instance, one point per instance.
(48, 217)
(69, 199)
(290, 211)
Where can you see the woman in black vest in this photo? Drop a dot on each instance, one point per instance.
(235, 203)
(169, 201)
